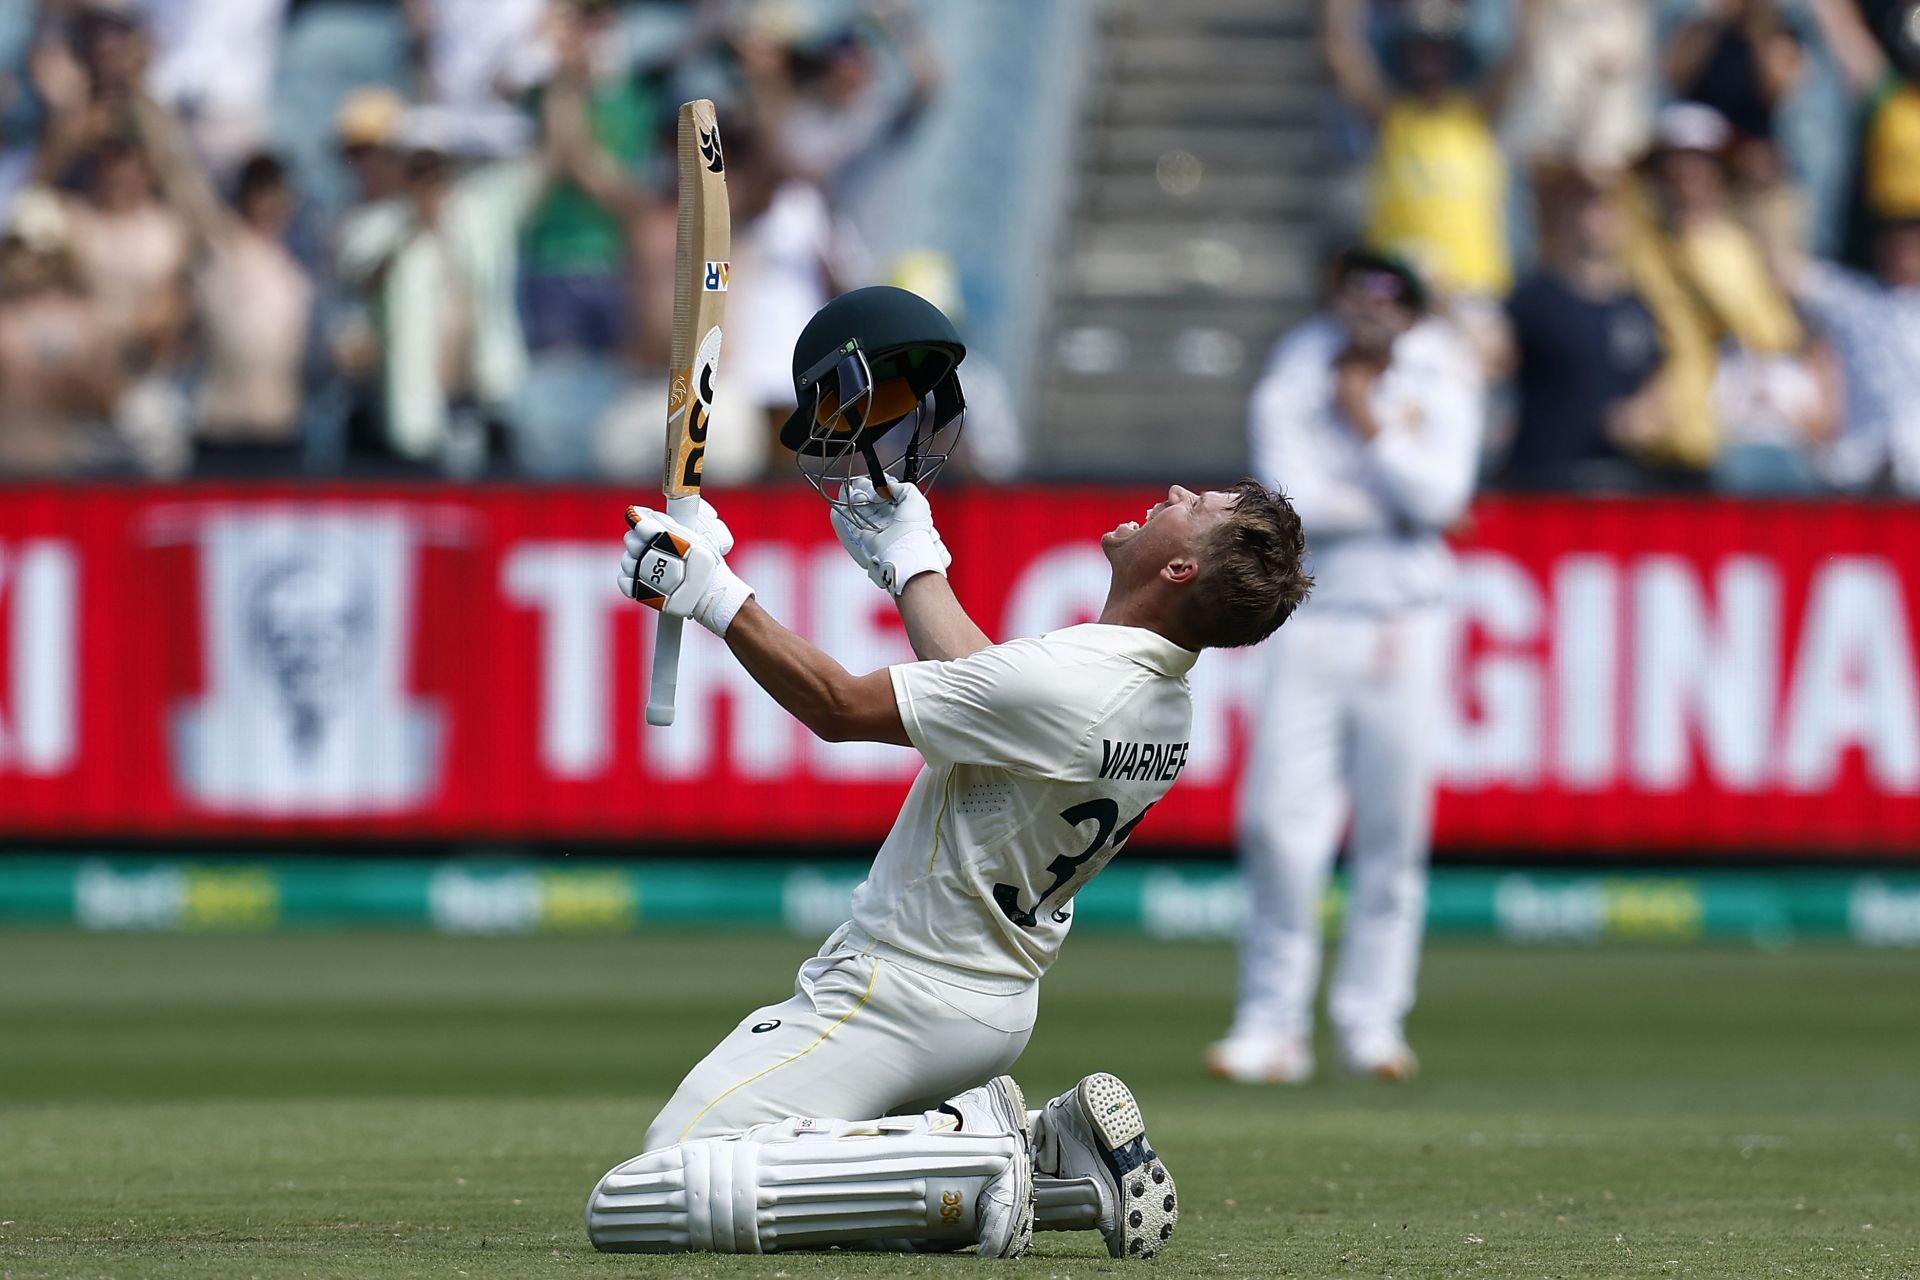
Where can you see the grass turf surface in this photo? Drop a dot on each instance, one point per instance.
(376, 1106)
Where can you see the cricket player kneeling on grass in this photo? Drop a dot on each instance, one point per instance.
(872, 1108)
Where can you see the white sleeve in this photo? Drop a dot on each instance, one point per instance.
(1001, 707)
(501, 195)
(1290, 449)
(1428, 469)
(369, 238)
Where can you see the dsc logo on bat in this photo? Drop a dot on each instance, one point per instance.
(715, 279)
(690, 411)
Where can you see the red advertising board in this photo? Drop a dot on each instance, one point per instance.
(440, 662)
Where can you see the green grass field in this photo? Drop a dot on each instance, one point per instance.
(377, 1106)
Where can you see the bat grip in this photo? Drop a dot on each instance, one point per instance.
(666, 671)
(666, 637)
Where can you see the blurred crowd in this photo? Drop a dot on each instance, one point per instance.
(429, 237)
(435, 237)
(1602, 200)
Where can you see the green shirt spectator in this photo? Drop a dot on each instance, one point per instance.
(573, 234)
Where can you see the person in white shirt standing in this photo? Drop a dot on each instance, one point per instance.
(1373, 413)
(870, 1108)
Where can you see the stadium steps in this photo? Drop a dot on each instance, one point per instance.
(1194, 235)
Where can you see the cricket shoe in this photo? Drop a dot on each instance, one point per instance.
(1261, 1059)
(1005, 1207)
(1384, 1055)
(1094, 1132)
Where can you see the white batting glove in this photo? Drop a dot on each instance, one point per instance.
(710, 527)
(858, 493)
(678, 569)
(893, 539)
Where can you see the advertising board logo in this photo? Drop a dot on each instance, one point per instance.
(306, 629)
(309, 626)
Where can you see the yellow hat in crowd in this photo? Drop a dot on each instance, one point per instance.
(368, 117)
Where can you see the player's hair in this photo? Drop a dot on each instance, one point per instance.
(1252, 571)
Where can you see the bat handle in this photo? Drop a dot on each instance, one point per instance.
(666, 670)
(666, 637)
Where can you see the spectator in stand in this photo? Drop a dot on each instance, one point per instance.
(59, 372)
(438, 267)
(1887, 170)
(1587, 347)
(117, 46)
(424, 263)
(255, 304)
(1438, 189)
(470, 57)
(213, 63)
(346, 404)
(1592, 93)
(130, 250)
(1742, 58)
(132, 254)
(822, 103)
(85, 71)
(1702, 275)
(575, 291)
(789, 258)
(1874, 324)
(363, 129)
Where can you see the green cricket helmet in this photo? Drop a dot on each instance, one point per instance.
(875, 373)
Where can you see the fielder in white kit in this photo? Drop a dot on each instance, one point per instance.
(1373, 412)
(869, 1109)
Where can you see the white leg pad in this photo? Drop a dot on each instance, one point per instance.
(802, 1184)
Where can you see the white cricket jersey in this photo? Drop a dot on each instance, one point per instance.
(1373, 509)
(1042, 754)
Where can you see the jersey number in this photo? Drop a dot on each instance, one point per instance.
(1103, 813)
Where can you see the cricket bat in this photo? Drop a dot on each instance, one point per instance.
(701, 266)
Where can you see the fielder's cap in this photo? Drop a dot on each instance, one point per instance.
(1384, 273)
(369, 117)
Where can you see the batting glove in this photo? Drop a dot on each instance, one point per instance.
(679, 569)
(891, 537)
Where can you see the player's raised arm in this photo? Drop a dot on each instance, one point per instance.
(681, 570)
(893, 538)
(835, 704)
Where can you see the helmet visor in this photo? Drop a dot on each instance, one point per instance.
(842, 388)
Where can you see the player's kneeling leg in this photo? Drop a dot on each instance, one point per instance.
(949, 1178)
(1097, 1173)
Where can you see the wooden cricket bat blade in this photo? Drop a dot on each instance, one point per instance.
(703, 244)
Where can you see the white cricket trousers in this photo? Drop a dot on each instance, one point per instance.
(868, 1032)
(1344, 725)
